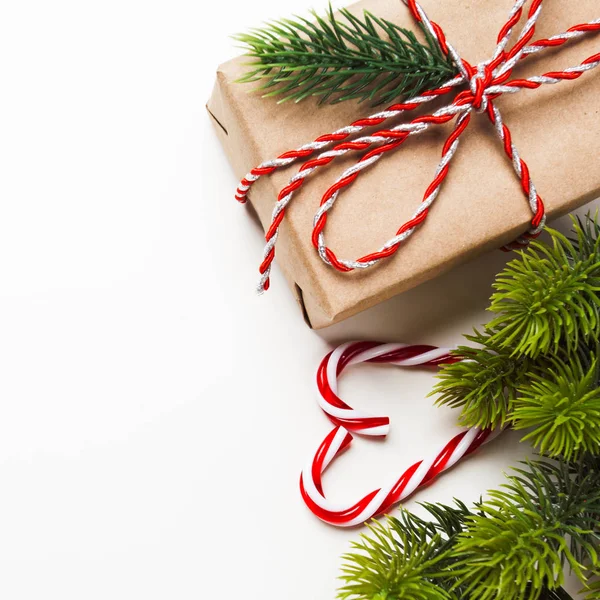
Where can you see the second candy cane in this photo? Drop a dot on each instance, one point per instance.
(348, 419)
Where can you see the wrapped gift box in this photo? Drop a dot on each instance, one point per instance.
(481, 207)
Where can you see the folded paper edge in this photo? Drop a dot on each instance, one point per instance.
(315, 317)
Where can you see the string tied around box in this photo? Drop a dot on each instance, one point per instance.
(484, 82)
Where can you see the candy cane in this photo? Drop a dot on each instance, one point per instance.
(353, 353)
(347, 418)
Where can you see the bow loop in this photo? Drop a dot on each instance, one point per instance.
(482, 84)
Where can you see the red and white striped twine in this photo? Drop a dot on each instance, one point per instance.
(486, 82)
(348, 419)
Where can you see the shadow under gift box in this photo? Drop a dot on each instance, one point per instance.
(481, 206)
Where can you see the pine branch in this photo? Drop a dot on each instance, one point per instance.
(406, 557)
(561, 404)
(593, 589)
(538, 365)
(547, 299)
(587, 232)
(484, 385)
(511, 547)
(544, 518)
(339, 59)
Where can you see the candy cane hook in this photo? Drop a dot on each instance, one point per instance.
(346, 418)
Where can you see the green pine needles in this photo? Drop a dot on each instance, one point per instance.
(482, 385)
(548, 298)
(345, 58)
(535, 366)
(405, 557)
(561, 406)
(514, 546)
(544, 519)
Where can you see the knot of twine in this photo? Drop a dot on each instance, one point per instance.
(486, 82)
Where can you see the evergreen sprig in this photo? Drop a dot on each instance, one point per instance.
(545, 518)
(561, 405)
(483, 384)
(513, 546)
(535, 366)
(587, 230)
(406, 557)
(342, 58)
(548, 298)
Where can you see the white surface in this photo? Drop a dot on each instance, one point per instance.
(155, 412)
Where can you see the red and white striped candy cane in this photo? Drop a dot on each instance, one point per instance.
(352, 353)
(346, 418)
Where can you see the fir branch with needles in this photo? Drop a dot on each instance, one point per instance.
(483, 384)
(534, 367)
(513, 546)
(536, 364)
(337, 58)
(548, 298)
(544, 519)
(405, 557)
(561, 407)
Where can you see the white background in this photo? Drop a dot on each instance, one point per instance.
(155, 413)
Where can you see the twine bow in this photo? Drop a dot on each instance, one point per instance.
(486, 82)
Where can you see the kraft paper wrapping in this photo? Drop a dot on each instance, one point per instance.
(481, 206)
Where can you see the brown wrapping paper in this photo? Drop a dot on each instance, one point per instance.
(481, 206)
